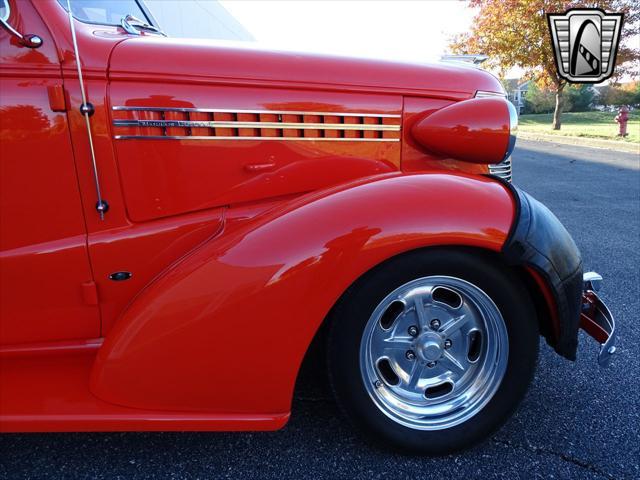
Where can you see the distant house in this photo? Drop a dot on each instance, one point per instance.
(201, 19)
(516, 91)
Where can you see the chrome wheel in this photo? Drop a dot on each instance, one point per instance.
(434, 352)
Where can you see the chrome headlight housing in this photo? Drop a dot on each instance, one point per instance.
(504, 169)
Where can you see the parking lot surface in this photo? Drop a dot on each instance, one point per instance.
(578, 421)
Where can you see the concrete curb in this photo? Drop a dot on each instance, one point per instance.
(620, 146)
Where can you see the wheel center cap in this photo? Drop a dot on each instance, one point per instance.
(430, 346)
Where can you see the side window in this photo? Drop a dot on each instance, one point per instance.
(106, 12)
(4, 10)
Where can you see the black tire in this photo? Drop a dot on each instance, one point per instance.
(351, 314)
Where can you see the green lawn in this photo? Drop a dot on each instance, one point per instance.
(583, 124)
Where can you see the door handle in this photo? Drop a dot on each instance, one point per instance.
(260, 167)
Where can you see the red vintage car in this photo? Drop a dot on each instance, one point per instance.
(180, 218)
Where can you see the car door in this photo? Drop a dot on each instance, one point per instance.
(46, 287)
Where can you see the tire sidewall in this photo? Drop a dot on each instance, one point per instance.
(355, 308)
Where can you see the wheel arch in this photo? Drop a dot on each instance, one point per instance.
(226, 329)
(530, 280)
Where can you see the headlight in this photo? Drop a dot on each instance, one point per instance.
(479, 130)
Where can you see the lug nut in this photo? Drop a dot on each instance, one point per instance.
(435, 323)
(447, 343)
(410, 355)
(431, 364)
(377, 384)
(413, 331)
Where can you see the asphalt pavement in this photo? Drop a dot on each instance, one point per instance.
(578, 421)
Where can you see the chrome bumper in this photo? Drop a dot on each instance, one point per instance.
(596, 318)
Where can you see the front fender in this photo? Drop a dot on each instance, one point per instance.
(225, 329)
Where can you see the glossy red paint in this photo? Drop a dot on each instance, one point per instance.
(145, 250)
(224, 238)
(158, 175)
(43, 249)
(475, 130)
(202, 61)
(265, 288)
(587, 322)
(414, 156)
(46, 390)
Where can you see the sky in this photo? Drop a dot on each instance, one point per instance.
(404, 30)
(400, 30)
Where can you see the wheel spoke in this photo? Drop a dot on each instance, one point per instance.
(418, 302)
(414, 377)
(393, 346)
(452, 363)
(454, 325)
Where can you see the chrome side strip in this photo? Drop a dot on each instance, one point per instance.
(275, 125)
(195, 137)
(272, 112)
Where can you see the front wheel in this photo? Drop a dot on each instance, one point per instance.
(433, 350)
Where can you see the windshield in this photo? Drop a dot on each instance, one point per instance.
(106, 12)
(197, 19)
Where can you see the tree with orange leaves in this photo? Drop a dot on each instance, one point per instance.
(515, 33)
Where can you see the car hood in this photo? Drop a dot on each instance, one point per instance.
(167, 58)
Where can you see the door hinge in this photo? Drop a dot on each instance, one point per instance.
(57, 100)
(90, 293)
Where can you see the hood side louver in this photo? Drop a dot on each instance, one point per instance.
(218, 124)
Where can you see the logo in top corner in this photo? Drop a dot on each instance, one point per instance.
(585, 43)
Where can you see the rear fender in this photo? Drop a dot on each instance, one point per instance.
(225, 329)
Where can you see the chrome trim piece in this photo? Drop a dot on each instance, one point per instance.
(194, 137)
(12, 30)
(592, 281)
(513, 128)
(28, 40)
(240, 124)
(605, 318)
(601, 316)
(101, 206)
(485, 94)
(129, 24)
(502, 170)
(140, 3)
(127, 27)
(272, 112)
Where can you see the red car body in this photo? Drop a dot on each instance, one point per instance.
(215, 232)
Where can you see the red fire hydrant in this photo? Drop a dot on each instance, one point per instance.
(622, 118)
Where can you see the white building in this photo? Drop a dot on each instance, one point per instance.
(516, 91)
